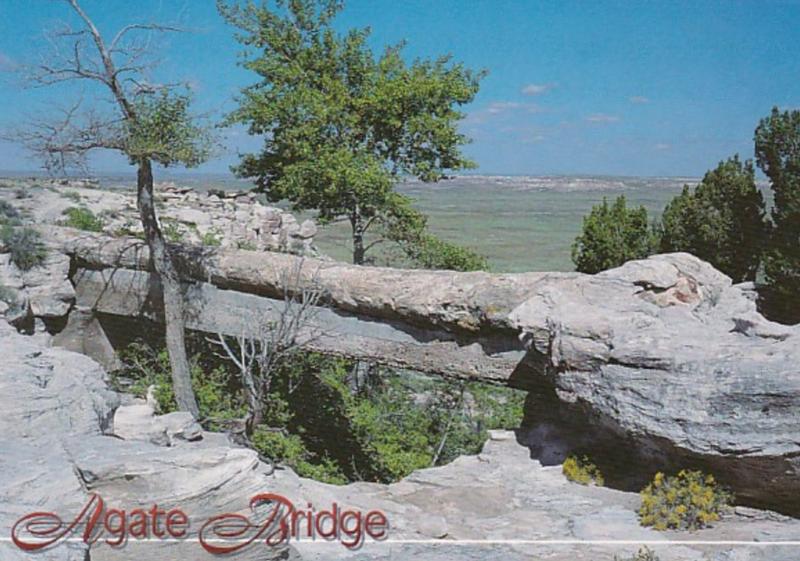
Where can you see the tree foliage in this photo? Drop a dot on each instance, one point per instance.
(612, 235)
(165, 131)
(721, 221)
(317, 421)
(407, 228)
(340, 124)
(777, 147)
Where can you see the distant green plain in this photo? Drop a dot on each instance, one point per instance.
(520, 224)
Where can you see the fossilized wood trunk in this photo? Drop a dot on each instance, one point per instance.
(124, 292)
(465, 302)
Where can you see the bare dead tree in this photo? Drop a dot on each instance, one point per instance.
(270, 341)
(454, 405)
(146, 122)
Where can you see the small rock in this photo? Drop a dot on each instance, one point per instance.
(308, 229)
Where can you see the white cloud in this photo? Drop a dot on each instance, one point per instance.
(501, 106)
(639, 99)
(661, 146)
(602, 118)
(498, 109)
(536, 89)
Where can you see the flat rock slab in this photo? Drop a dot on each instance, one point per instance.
(498, 505)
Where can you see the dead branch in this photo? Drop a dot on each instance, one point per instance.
(273, 340)
(64, 141)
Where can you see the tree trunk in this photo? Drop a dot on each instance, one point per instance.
(256, 414)
(171, 289)
(255, 403)
(358, 237)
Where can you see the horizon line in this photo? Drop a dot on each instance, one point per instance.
(9, 173)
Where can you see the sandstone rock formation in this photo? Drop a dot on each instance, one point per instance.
(664, 353)
(40, 299)
(63, 435)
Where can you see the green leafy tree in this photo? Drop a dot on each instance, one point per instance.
(407, 227)
(722, 221)
(777, 146)
(612, 235)
(340, 124)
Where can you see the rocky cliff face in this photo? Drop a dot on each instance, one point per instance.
(40, 299)
(64, 435)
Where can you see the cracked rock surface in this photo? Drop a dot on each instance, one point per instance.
(666, 351)
(64, 435)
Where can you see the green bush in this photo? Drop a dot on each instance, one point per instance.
(24, 244)
(82, 218)
(317, 423)
(404, 423)
(210, 239)
(393, 433)
(722, 221)
(777, 147)
(687, 501)
(644, 554)
(289, 449)
(611, 236)
(431, 252)
(581, 470)
(214, 388)
(8, 213)
(172, 232)
(408, 229)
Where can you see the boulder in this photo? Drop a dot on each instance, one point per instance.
(44, 291)
(84, 334)
(191, 216)
(138, 422)
(667, 352)
(47, 392)
(308, 229)
(49, 289)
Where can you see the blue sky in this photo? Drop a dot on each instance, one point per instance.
(627, 88)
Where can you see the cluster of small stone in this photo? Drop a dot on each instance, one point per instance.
(229, 220)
